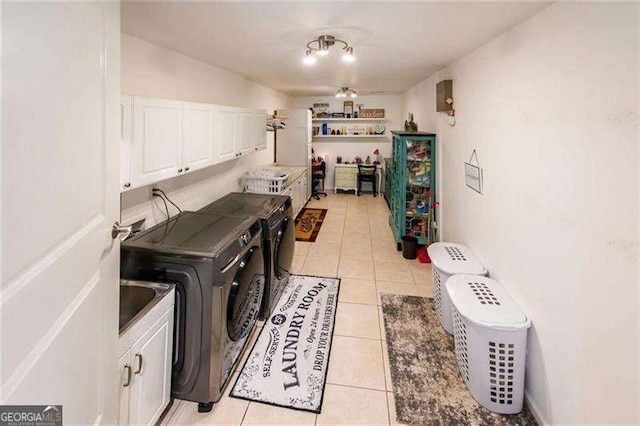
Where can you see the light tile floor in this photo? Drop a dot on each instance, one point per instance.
(356, 244)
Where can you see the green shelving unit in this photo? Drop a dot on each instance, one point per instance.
(412, 186)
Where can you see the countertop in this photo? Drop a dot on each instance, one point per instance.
(294, 173)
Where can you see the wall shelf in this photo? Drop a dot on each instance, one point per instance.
(328, 120)
(348, 136)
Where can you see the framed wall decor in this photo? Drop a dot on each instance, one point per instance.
(372, 113)
(348, 109)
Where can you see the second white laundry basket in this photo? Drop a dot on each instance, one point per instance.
(449, 259)
(491, 341)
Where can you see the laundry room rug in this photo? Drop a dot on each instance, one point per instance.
(288, 363)
(308, 224)
(427, 386)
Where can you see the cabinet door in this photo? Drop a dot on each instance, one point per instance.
(157, 140)
(126, 375)
(304, 191)
(227, 134)
(151, 363)
(198, 136)
(259, 130)
(245, 134)
(126, 122)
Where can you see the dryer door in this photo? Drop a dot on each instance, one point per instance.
(246, 294)
(284, 249)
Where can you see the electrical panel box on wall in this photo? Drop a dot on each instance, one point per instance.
(444, 91)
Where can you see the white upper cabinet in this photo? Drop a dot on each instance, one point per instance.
(126, 124)
(227, 133)
(246, 140)
(259, 130)
(157, 140)
(199, 127)
(163, 138)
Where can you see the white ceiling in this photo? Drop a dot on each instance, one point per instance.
(396, 44)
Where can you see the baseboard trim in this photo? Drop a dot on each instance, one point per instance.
(534, 410)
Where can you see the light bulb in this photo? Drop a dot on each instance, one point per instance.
(338, 95)
(354, 95)
(347, 56)
(322, 52)
(309, 59)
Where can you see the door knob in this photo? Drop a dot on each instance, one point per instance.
(120, 231)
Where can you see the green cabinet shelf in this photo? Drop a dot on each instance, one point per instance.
(412, 186)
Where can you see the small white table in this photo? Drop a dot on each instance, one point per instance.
(346, 177)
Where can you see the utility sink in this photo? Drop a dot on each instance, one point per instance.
(136, 298)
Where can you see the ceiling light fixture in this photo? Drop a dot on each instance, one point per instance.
(345, 91)
(309, 59)
(321, 45)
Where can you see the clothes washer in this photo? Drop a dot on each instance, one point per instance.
(217, 265)
(278, 233)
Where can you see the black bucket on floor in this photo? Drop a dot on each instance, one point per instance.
(409, 247)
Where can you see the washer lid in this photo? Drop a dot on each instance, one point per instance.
(453, 258)
(193, 233)
(485, 302)
(245, 204)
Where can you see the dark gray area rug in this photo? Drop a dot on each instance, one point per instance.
(427, 386)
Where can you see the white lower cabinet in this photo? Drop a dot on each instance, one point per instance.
(298, 193)
(145, 368)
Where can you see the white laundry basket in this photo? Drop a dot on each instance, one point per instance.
(490, 333)
(449, 259)
(265, 180)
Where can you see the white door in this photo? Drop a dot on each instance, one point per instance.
(244, 129)
(126, 123)
(259, 130)
(227, 133)
(198, 125)
(151, 363)
(60, 197)
(157, 135)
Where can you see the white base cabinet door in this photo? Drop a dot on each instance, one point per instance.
(157, 140)
(151, 363)
(145, 365)
(126, 374)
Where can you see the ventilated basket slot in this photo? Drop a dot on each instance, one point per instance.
(437, 291)
(501, 372)
(455, 253)
(460, 336)
(484, 294)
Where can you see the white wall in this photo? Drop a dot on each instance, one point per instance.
(551, 107)
(349, 148)
(152, 71)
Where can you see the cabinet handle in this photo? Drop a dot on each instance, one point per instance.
(128, 368)
(139, 358)
(179, 170)
(127, 185)
(186, 169)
